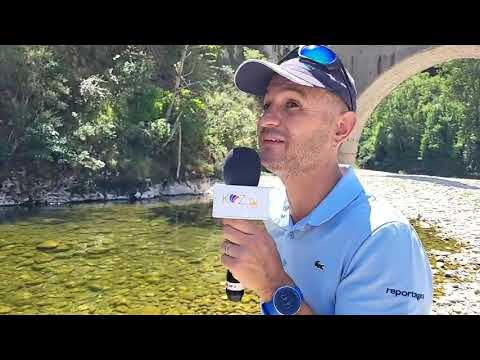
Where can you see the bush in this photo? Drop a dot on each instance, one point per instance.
(105, 123)
(428, 125)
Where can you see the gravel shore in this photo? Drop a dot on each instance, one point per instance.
(452, 206)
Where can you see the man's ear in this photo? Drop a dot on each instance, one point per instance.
(345, 124)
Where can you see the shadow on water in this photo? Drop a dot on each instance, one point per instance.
(16, 213)
(52, 215)
(195, 215)
(188, 210)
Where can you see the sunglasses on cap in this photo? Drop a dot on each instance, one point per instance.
(324, 58)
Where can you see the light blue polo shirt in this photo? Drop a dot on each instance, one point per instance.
(353, 254)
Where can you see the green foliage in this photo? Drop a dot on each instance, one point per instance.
(33, 107)
(232, 122)
(430, 124)
(250, 54)
(105, 120)
(108, 126)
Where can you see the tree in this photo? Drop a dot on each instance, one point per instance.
(114, 116)
(34, 107)
(464, 79)
(429, 124)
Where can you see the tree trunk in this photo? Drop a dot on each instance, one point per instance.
(179, 71)
(179, 149)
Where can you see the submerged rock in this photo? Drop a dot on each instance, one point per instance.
(120, 301)
(38, 267)
(48, 245)
(96, 286)
(122, 308)
(43, 258)
(151, 310)
(66, 269)
(153, 279)
(5, 309)
(27, 262)
(98, 250)
(64, 255)
(187, 296)
(61, 248)
(21, 298)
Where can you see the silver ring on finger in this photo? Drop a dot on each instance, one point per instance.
(227, 244)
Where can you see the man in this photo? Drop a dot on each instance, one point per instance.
(329, 247)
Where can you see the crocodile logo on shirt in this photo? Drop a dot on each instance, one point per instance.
(319, 265)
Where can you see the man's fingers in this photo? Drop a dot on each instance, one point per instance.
(229, 262)
(235, 236)
(230, 249)
(245, 226)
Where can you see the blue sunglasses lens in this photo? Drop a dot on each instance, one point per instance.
(319, 54)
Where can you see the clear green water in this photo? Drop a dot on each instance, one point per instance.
(119, 258)
(116, 258)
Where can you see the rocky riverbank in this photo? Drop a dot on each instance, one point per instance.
(12, 194)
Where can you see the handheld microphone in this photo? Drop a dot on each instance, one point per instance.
(242, 167)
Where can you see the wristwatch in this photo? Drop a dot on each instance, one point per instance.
(287, 300)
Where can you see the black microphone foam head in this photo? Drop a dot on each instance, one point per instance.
(242, 167)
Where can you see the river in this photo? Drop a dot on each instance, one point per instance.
(155, 257)
(114, 258)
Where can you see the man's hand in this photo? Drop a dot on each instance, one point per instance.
(253, 258)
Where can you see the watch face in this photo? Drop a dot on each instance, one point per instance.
(287, 301)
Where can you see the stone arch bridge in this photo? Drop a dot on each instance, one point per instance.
(379, 69)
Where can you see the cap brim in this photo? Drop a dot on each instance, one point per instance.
(253, 76)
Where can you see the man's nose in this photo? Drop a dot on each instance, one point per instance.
(269, 119)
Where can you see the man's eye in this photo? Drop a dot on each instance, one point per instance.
(291, 105)
(266, 106)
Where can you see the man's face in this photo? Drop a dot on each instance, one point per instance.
(296, 130)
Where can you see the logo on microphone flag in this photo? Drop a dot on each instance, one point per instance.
(234, 198)
(241, 200)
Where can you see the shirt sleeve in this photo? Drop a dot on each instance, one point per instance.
(389, 274)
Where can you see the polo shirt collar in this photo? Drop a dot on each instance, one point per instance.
(345, 191)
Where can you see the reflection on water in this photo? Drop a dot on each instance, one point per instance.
(114, 258)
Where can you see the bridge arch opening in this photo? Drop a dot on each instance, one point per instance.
(389, 80)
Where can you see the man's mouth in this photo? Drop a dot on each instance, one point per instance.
(273, 140)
